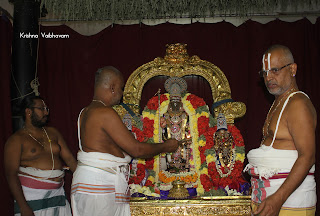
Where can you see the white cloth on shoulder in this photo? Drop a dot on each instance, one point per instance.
(267, 162)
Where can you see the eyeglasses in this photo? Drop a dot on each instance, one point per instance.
(273, 71)
(42, 108)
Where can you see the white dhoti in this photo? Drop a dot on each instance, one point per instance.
(269, 168)
(45, 197)
(100, 185)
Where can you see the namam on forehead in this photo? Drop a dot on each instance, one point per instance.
(38, 103)
(41, 102)
(105, 75)
(281, 54)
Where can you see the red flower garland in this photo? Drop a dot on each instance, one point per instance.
(235, 177)
(141, 172)
(147, 131)
(148, 127)
(202, 150)
(149, 184)
(142, 136)
(139, 133)
(153, 103)
(203, 124)
(195, 101)
(206, 182)
(213, 179)
(149, 163)
(237, 137)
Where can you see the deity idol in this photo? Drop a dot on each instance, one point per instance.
(186, 117)
(175, 124)
(224, 146)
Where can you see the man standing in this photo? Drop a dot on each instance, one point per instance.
(100, 183)
(33, 165)
(282, 168)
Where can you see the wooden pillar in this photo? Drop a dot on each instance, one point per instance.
(24, 53)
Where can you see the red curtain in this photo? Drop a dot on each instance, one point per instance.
(6, 199)
(66, 66)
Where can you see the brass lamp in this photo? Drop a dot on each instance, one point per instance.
(178, 190)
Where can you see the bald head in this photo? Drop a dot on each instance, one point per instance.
(285, 53)
(105, 75)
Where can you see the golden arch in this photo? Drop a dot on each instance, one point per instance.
(177, 62)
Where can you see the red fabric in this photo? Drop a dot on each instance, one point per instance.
(36, 184)
(66, 66)
(278, 176)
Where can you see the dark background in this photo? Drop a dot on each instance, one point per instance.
(66, 69)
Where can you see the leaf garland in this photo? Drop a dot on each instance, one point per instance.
(119, 10)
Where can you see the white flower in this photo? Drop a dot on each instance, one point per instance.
(134, 188)
(232, 192)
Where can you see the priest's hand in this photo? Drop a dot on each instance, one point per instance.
(270, 206)
(186, 141)
(171, 144)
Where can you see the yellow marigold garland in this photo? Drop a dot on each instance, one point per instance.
(196, 108)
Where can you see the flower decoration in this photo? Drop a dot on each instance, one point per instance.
(153, 103)
(139, 176)
(204, 175)
(234, 179)
(195, 101)
(187, 177)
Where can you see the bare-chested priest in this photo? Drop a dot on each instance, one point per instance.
(100, 182)
(282, 168)
(33, 163)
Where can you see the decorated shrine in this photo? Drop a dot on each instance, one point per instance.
(206, 170)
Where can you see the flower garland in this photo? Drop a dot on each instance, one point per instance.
(139, 175)
(215, 179)
(150, 134)
(206, 176)
(121, 12)
(196, 108)
(187, 177)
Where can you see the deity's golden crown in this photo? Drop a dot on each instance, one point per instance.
(175, 86)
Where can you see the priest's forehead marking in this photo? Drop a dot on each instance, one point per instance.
(266, 59)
